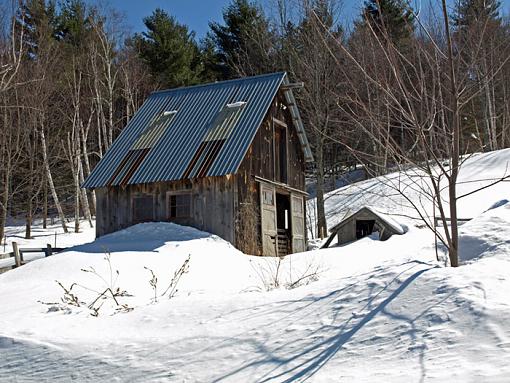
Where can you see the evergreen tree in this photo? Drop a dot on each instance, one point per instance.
(389, 17)
(468, 12)
(170, 51)
(74, 23)
(244, 44)
(38, 19)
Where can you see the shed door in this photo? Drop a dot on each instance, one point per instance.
(268, 219)
(298, 223)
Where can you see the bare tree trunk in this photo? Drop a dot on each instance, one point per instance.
(84, 198)
(86, 165)
(77, 204)
(30, 193)
(4, 206)
(322, 229)
(455, 150)
(49, 177)
(45, 203)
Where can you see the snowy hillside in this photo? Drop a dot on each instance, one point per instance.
(369, 311)
(478, 170)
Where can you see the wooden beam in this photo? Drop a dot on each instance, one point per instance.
(293, 85)
(279, 122)
(280, 185)
(17, 255)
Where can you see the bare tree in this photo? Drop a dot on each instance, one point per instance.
(424, 94)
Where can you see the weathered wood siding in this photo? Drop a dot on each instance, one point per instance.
(347, 231)
(212, 205)
(219, 204)
(260, 161)
(260, 158)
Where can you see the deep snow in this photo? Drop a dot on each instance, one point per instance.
(375, 312)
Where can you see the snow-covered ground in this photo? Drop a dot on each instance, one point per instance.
(368, 311)
(384, 193)
(53, 235)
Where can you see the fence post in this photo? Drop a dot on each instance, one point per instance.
(48, 250)
(17, 255)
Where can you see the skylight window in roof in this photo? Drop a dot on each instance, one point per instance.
(225, 122)
(218, 132)
(153, 133)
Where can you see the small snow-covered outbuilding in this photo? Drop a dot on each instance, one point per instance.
(362, 223)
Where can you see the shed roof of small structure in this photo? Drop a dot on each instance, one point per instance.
(170, 151)
(388, 221)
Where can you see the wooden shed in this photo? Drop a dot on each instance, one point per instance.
(227, 158)
(362, 223)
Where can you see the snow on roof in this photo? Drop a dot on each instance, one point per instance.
(396, 226)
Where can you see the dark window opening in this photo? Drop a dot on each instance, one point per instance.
(143, 208)
(179, 206)
(282, 211)
(283, 223)
(364, 228)
(280, 154)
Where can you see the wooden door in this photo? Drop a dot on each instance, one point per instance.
(297, 222)
(268, 219)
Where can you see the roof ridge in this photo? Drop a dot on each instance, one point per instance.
(240, 79)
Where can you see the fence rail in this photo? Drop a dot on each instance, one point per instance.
(17, 258)
(460, 221)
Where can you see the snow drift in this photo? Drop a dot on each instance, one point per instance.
(372, 311)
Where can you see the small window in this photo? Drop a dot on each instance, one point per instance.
(143, 208)
(297, 205)
(179, 205)
(267, 197)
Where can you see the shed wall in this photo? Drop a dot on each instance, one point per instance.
(212, 205)
(260, 162)
(347, 231)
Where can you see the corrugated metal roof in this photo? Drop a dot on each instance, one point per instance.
(189, 145)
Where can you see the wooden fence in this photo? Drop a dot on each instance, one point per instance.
(460, 221)
(16, 257)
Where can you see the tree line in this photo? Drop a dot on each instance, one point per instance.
(398, 88)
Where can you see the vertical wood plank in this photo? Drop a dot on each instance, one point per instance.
(17, 255)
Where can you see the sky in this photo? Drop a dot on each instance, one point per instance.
(195, 13)
(198, 13)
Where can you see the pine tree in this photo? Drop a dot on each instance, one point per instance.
(244, 43)
(468, 12)
(170, 51)
(38, 19)
(74, 24)
(393, 18)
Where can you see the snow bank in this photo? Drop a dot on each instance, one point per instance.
(487, 234)
(477, 171)
(378, 311)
